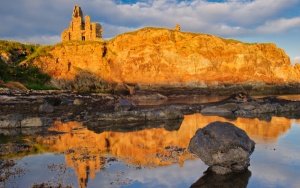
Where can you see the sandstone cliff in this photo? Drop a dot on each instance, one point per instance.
(154, 56)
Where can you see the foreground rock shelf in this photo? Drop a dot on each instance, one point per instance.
(103, 110)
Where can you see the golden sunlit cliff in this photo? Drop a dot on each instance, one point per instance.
(157, 56)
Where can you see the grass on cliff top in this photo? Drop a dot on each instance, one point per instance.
(184, 32)
(29, 75)
(227, 40)
(40, 51)
(71, 43)
(12, 46)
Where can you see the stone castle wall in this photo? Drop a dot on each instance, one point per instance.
(81, 29)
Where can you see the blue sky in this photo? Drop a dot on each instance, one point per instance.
(276, 21)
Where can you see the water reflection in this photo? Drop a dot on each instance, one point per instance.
(211, 180)
(85, 150)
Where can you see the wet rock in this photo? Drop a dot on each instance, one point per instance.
(14, 148)
(223, 147)
(154, 96)
(239, 97)
(46, 108)
(223, 110)
(10, 121)
(77, 102)
(124, 105)
(54, 101)
(247, 106)
(166, 113)
(32, 122)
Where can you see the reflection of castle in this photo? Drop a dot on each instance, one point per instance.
(81, 29)
(86, 150)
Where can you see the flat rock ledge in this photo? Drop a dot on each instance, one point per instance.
(243, 105)
(222, 146)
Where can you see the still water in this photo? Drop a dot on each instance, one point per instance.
(156, 156)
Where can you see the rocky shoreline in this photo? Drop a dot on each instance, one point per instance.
(42, 108)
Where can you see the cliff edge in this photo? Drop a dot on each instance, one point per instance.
(155, 56)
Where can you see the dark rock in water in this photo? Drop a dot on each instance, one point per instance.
(124, 105)
(13, 148)
(240, 97)
(46, 108)
(223, 147)
(223, 110)
(212, 180)
(54, 101)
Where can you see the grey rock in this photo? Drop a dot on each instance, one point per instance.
(247, 107)
(124, 105)
(10, 121)
(223, 147)
(154, 96)
(223, 110)
(46, 108)
(54, 101)
(32, 122)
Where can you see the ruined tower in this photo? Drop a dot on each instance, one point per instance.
(177, 27)
(81, 29)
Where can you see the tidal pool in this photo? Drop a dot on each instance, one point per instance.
(77, 155)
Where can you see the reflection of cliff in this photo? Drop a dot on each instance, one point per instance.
(85, 150)
(255, 128)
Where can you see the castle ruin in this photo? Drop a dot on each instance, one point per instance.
(81, 29)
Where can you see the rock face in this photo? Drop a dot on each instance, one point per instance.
(153, 56)
(223, 147)
(46, 108)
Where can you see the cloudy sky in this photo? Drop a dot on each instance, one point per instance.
(41, 21)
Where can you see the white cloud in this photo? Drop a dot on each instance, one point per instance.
(280, 25)
(231, 18)
(297, 60)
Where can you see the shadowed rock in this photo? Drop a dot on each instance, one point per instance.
(212, 180)
(223, 147)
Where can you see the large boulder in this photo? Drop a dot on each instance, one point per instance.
(223, 147)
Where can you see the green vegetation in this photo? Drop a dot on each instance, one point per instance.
(30, 76)
(16, 51)
(19, 146)
(12, 55)
(40, 51)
